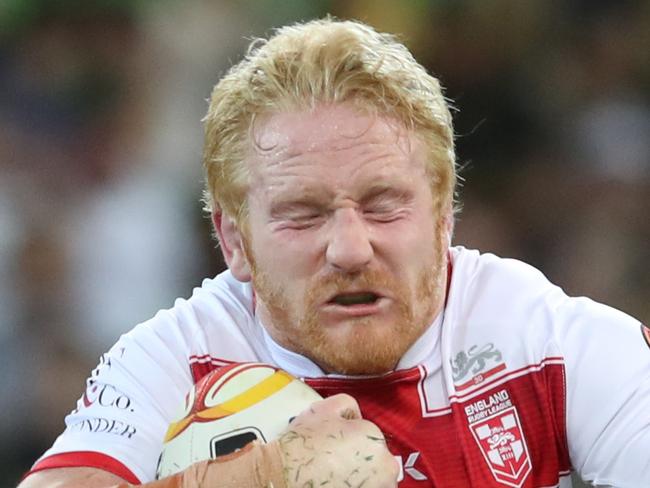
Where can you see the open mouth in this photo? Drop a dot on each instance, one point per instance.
(358, 298)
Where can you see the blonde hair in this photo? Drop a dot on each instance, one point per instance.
(322, 61)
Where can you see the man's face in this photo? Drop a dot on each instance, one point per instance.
(346, 253)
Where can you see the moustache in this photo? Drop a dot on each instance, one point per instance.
(323, 288)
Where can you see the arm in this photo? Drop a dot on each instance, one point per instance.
(257, 465)
(608, 395)
(71, 478)
(328, 444)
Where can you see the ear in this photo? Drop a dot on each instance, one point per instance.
(232, 245)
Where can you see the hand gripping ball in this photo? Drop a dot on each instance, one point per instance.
(230, 407)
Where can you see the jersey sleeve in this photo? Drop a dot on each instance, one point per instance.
(607, 365)
(130, 398)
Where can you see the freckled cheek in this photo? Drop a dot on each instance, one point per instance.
(400, 239)
(406, 249)
(291, 254)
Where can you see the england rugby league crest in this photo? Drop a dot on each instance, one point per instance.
(502, 443)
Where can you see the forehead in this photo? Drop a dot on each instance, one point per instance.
(331, 144)
(323, 128)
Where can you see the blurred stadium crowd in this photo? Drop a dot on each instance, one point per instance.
(100, 146)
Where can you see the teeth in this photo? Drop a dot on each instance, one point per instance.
(355, 298)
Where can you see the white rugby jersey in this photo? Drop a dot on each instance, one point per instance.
(515, 384)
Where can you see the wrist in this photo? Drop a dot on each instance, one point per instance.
(270, 466)
(254, 466)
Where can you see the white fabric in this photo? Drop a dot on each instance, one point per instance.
(490, 301)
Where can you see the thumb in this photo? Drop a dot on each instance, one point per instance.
(341, 405)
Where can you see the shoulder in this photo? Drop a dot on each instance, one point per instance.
(475, 273)
(496, 299)
(510, 303)
(222, 299)
(216, 320)
(498, 289)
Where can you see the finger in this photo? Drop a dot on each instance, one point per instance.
(341, 405)
(371, 431)
(396, 468)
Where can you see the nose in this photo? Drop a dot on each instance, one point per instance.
(349, 248)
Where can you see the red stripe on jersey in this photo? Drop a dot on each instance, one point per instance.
(487, 374)
(450, 271)
(85, 459)
(509, 376)
(202, 358)
(204, 364)
(645, 330)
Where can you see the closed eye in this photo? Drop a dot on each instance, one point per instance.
(298, 214)
(384, 214)
(387, 205)
(304, 221)
(298, 220)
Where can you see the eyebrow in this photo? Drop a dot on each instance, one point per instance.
(304, 200)
(314, 199)
(379, 191)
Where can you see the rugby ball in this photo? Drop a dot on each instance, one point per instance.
(230, 407)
